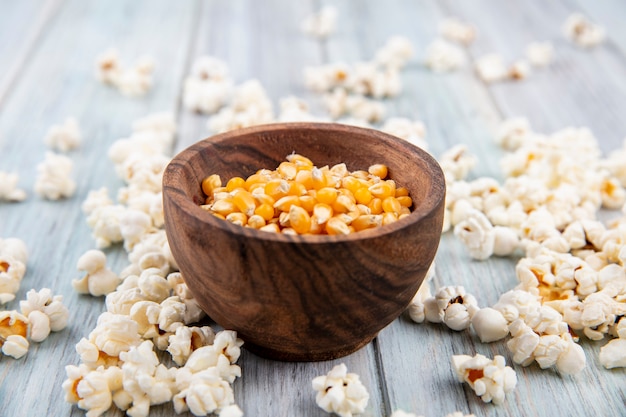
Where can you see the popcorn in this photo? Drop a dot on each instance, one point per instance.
(340, 392)
(231, 411)
(395, 53)
(477, 233)
(15, 248)
(613, 354)
(105, 224)
(519, 70)
(490, 325)
(95, 199)
(8, 188)
(108, 67)
(338, 103)
(417, 307)
(456, 163)
(39, 324)
(411, 131)
(581, 31)
(491, 68)
(98, 280)
(513, 133)
(539, 54)
(53, 180)
(209, 86)
(64, 137)
(321, 24)
(455, 306)
(15, 346)
(202, 392)
(135, 81)
(294, 109)
(442, 56)
(91, 389)
(490, 379)
(456, 30)
(11, 273)
(114, 333)
(188, 339)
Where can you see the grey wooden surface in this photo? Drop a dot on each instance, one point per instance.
(47, 51)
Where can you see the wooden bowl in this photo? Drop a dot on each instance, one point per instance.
(304, 297)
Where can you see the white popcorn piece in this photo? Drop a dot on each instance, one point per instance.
(477, 233)
(491, 68)
(108, 67)
(13, 323)
(294, 109)
(202, 392)
(456, 163)
(51, 305)
(98, 280)
(506, 241)
(209, 89)
(105, 224)
(188, 339)
(516, 304)
(442, 56)
(39, 324)
(53, 177)
(115, 333)
(96, 198)
(490, 325)
(91, 389)
(15, 346)
(14, 247)
(456, 30)
(8, 187)
(455, 307)
(613, 354)
(339, 102)
(232, 410)
(395, 53)
(340, 392)
(490, 379)
(326, 77)
(136, 81)
(417, 308)
(583, 32)
(519, 70)
(539, 54)
(65, 137)
(321, 24)
(11, 274)
(513, 133)
(412, 131)
(133, 225)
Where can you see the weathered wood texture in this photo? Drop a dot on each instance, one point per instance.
(47, 51)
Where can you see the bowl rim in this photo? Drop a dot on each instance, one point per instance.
(192, 209)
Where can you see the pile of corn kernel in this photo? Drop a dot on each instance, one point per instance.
(300, 198)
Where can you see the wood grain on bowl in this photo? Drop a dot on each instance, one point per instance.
(305, 297)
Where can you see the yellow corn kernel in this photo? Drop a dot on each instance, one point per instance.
(334, 226)
(343, 204)
(383, 189)
(219, 216)
(244, 201)
(376, 205)
(299, 160)
(210, 183)
(380, 170)
(318, 179)
(367, 221)
(360, 174)
(405, 210)
(299, 219)
(297, 189)
(402, 216)
(277, 188)
(224, 207)
(316, 227)
(208, 200)
(322, 212)
(389, 218)
(339, 170)
(363, 209)
(271, 227)
(344, 217)
(266, 211)
(283, 219)
(347, 193)
(391, 205)
(255, 179)
(305, 177)
(351, 183)
(354, 214)
(234, 183)
(237, 218)
(288, 231)
(285, 203)
(206, 207)
(308, 203)
(327, 195)
(363, 195)
(402, 192)
(287, 170)
(405, 200)
(261, 198)
(257, 186)
(256, 222)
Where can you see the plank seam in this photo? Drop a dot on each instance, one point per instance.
(382, 382)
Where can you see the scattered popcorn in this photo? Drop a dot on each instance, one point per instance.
(321, 24)
(209, 86)
(519, 70)
(477, 233)
(294, 109)
(340, 392)
(8, 187)
(491, 68)
(513, 133)
(490, 379)
(613, 354)
(53, 178)
(232, 410)
(186, 340)
(456, 163)
(456, 30)
(395, 53)
(539, 54)
(39, 324)
(13, 258)
(15, 346)
(442, 56)
(98, 280)
(583, 32)
(51, 305)
(95, 199)
(417, 308)
(108, 67)
(135, 81)
(411, 131)
(490, 325)
(64, 137)
(339, 102)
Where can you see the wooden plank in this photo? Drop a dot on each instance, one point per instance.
(57, 82)
(22, 25)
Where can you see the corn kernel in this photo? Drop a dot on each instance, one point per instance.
(308, 203)
(299, 160)
(299, 219)
(402, 192)
(351, 183)
(405, 210)
(339, 170)
(272, 227)
(234, 183)
(360, 174)
(219, 216)
(285, 203)
(237, 218)
(316, 227)
(318, 178)
(287, 170)
(255, 179)
(389, 218)
(256, 222)
(383, 189)
(367, 221)
(380, 170)
(258, 187)
(363, 209)
(305, 177)
(266, 211)
(224, 207)
(405, 200)
(244, 201)
(327, 195)
(343, 204)
(376, 205)
(322, 212)
(363, 195)
(283, 219)
(277, 188)
(335, 226)
(288, 231)
(391, 205)
(296, 188)
(262, 198)
(210, 183)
